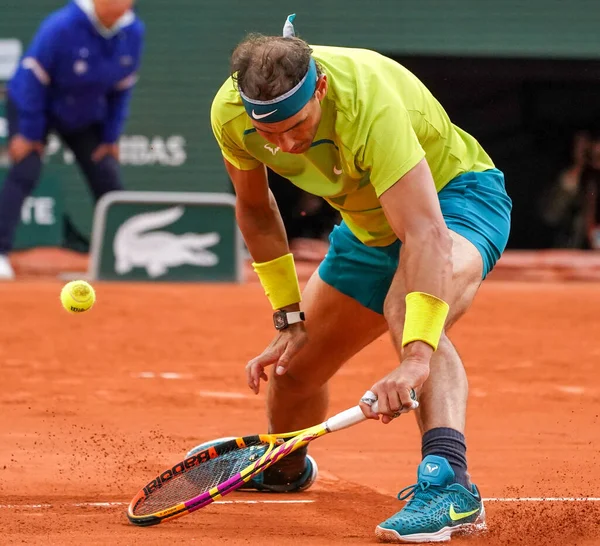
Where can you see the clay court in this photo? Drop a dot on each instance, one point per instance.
(94, 405)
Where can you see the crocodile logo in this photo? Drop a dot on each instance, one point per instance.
(138, 243)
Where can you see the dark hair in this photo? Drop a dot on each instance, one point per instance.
(265, 67)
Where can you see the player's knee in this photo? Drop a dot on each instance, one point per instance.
(295, 385)
(26, 172)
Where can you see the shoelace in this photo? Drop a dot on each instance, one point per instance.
(422, 494)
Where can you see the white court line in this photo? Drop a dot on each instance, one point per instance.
(163, 375)
(568, 389)
(543, 499)
(174, 375)
(108, 504)
(303, 501)
(223, 394)
(25, 506)
(111, 504)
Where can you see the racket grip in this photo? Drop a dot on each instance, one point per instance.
(348, 418)
(345, 419)
(353, 416)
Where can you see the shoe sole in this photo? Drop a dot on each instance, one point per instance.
(443, 535)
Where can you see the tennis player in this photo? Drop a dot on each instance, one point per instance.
(425, 218)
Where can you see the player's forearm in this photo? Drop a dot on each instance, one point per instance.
(264, 233)
(263, 229)
(426, 266)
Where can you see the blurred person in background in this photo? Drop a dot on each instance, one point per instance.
(562, 203)
(590, 182)
(75, 79)
(569, 208)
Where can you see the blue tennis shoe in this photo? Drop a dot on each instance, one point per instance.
(306, 479)
(437, 507)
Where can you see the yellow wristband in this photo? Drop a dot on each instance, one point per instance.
(279, 280)
(425, 319)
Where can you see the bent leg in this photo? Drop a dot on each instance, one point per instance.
(441, 406)
(443, 398)
(338, 328)
(102, 176)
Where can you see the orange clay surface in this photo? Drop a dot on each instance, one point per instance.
(92, 406)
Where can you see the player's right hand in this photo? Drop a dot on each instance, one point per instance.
(280, 353)
(19, 148)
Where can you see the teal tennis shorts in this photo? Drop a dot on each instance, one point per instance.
(475, 205)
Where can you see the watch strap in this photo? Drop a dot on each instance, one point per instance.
(294, 316)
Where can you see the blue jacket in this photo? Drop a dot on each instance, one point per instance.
(76, 73)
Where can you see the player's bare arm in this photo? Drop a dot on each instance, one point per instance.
(412, 208)
(257, 214)
(261, 225)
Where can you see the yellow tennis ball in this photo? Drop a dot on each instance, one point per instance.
(77, 296)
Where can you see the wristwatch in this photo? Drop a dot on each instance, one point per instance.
(282, 319)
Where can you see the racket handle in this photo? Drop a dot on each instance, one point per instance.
(353, 416)
(347, 418)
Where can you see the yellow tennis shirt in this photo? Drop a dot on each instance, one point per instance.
(378, 122)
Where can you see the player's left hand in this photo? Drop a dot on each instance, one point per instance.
(105, 149)
(393, 392)
(279, 353)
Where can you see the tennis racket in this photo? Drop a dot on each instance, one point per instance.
(207, 476)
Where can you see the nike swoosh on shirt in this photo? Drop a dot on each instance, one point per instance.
(261, 116)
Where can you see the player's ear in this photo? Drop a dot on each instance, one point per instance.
(321, 89)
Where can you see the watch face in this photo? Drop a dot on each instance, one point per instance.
(279, 320)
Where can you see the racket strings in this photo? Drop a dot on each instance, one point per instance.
(199, 479)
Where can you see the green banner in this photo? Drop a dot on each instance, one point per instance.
(163, 236)
(42, 216)
(168, 143)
